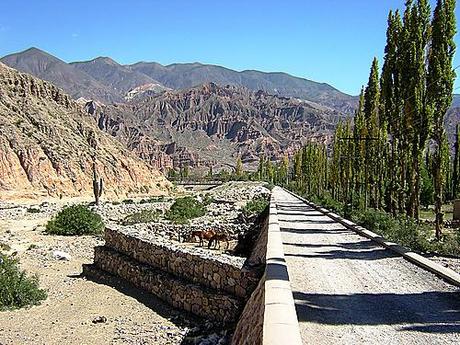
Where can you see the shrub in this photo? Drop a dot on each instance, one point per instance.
(269, 186)
(208, 199)
(152, 200)
(75, 220)
(33, 210)
(449, 244)
(16, 289)
(255, 207)
(184, 209)
(128, 201)
(144, 216)
(330, 203)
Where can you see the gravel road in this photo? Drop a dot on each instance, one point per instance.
(349, 290)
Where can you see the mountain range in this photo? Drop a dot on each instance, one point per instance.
(104, 80)
(196, 114)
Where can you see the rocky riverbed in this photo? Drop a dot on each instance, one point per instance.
(106, 311)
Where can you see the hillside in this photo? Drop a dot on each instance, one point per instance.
(111, 74)
(180, 76)
(73, 81)
(211, 124)
(103, 79)
(47, 143)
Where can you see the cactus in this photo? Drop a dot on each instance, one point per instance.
(98, 185)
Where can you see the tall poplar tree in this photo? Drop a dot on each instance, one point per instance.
(456, 165)
(390, 104)
(416, 120)
(440, 83)
(359, 152)
(371, 115)
(239, 167)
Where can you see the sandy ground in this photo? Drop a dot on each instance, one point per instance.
(73, 303)
(348, 290)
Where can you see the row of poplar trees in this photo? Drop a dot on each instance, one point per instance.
(398, 129)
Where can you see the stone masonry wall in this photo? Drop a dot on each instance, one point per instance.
(223, 273)
(249, 330)
(204, 302)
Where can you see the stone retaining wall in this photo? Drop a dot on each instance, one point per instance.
(181, 232)
(223, 273)
(196, 299)
(249, 329)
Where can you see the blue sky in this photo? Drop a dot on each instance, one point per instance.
(329, 41)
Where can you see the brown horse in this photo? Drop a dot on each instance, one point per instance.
(202, 235)
(217, 238)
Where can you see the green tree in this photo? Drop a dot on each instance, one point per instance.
(390, 108)
(261, 172)
(359, 149)
(298, 168)
(456, 166)
(284, 171)
(371, 115)
(416, 120)
(239, 167)
(440, 83)
(427, 190)
(270, 171)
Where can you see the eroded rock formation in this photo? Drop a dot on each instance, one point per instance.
(211, 124)
(47, 145)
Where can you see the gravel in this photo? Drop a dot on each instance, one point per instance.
(348, 290)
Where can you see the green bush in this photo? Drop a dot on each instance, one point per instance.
(152, 200)
(128, 201)
(184, 209)
(330, 203)
(144, 216)
(269, 186)
(75, 220)
(16, 289)
(208, 199)
(449, 244)
(255, 207)
(33, 210)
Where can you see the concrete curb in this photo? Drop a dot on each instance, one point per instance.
(427, 264)
(281, 325)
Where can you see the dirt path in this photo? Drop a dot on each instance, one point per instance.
(73, 303)
(348, 290)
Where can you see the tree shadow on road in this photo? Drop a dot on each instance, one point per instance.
(365, 244)
(304, 231)
(361, 244)
(430, 312)
(298, 213)
(368, 255)
(314, 221)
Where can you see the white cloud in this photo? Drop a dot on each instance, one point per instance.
(74, 35)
